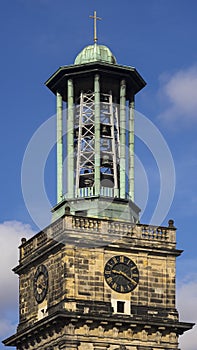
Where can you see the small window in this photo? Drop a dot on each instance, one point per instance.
(120, 306)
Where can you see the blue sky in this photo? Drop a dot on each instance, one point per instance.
(158, 38)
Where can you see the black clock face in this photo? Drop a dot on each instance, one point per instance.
(121, 274)
(40, 283)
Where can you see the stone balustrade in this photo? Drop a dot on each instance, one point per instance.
(146, 234)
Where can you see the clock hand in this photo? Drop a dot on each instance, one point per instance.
(117, 272)
(123, 274)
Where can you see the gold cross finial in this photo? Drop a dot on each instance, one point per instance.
(95, 24)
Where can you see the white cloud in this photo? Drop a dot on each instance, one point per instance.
(179, 93)
(11, 233)
(187, 307)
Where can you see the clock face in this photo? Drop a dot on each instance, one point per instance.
(121, 274)
(40, 283)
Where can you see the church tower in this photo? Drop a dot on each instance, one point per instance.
(96, 278)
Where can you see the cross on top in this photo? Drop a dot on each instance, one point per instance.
(95, 25)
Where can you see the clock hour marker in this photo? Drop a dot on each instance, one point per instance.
(134, 275)
(109, 280)
(115, 260)
(122, 259)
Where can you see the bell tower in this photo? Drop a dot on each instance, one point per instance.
(99, 97)
(96, 278)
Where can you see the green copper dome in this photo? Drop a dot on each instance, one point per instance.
(94, 53)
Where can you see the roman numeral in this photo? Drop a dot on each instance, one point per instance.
(109, 280)
(122, 289)
(114, 285)
(134, 275)
(122, 259)
(115, 260)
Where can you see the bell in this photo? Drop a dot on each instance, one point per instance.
(88, 182)
(107, 180)
(88, 165)
(104, 130)
(106, 161)
(76, 133)
(105, 143)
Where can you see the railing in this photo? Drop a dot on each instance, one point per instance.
(86, 224)
(114, 230)
(154, 233)
(33, 244)
(90, 192)
(121, 228)
(86, 192)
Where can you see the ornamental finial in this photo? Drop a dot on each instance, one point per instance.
(95, 26)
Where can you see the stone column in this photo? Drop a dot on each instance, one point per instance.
(131, 148)
(122, 139)
(70, 140)
(97, 133)
(59, 148)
